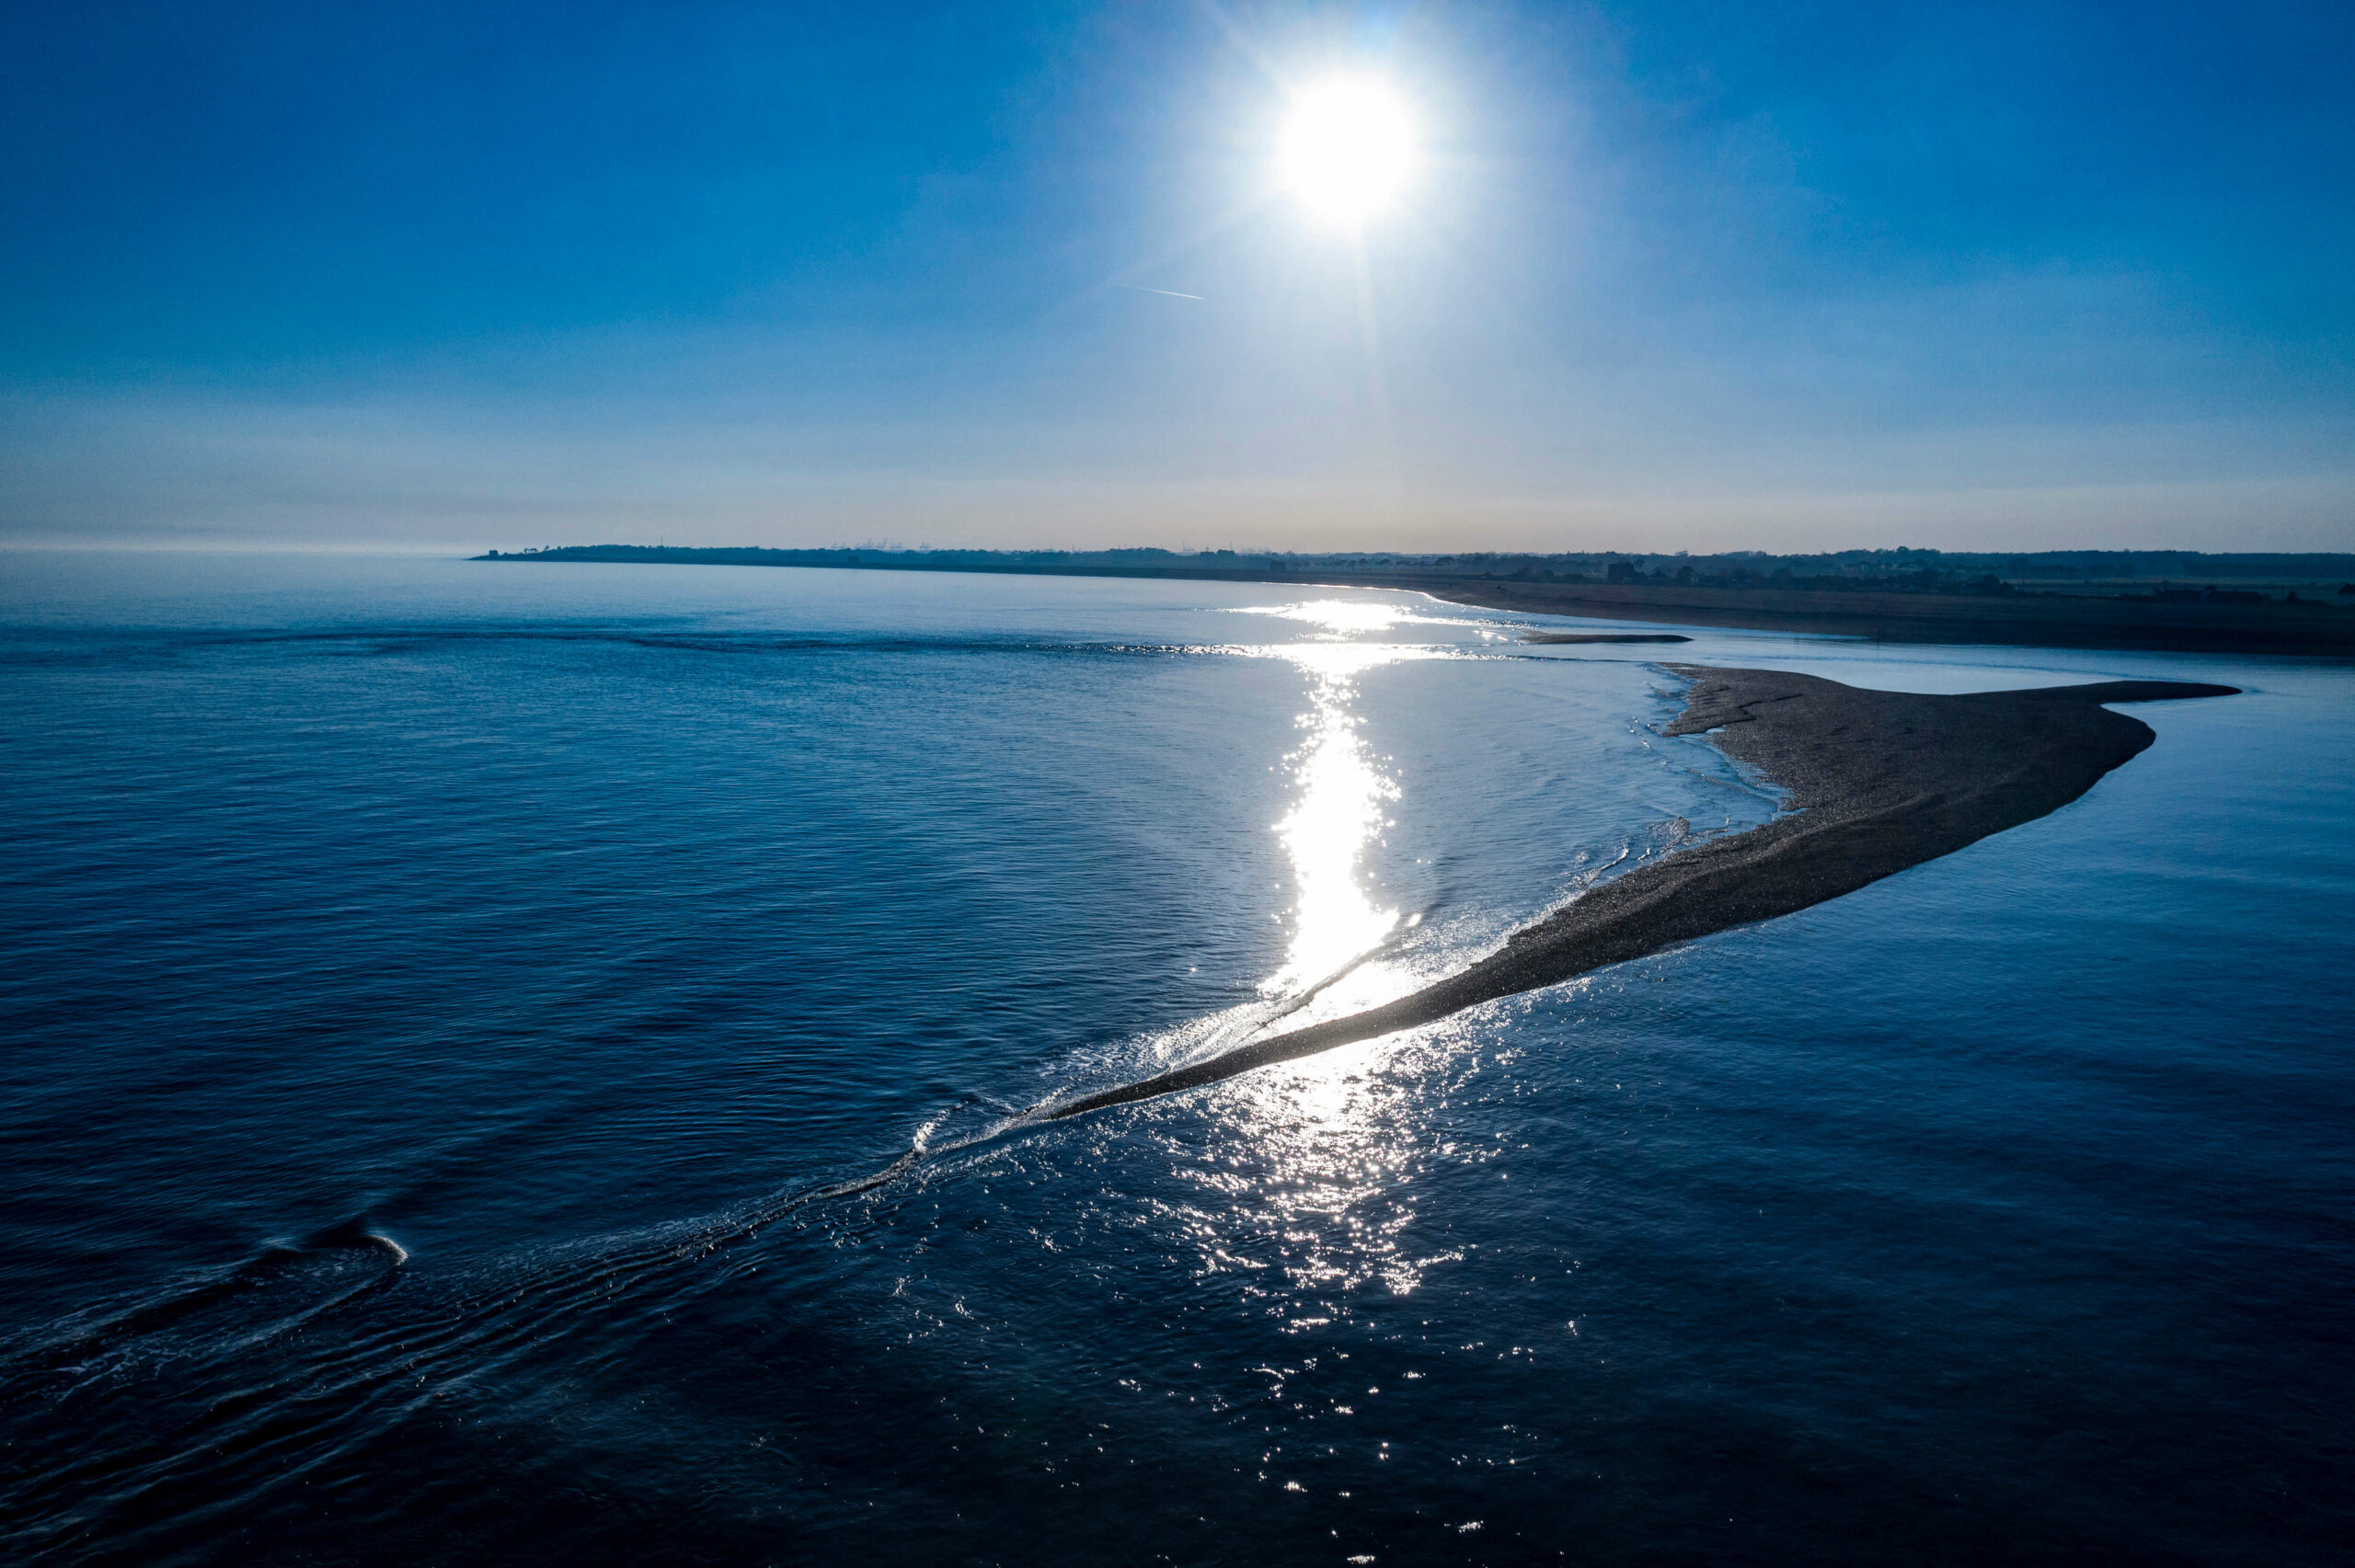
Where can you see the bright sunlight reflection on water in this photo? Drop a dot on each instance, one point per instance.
(1311, 1194)
(1338, 815)
(1339, 811)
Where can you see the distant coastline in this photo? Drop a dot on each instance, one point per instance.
(2158, 601)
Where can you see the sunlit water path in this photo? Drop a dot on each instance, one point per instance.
(598, 935)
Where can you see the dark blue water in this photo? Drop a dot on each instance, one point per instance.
(575, 929)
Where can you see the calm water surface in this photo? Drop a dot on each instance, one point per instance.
(576, 928)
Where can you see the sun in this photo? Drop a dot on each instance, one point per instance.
(1348, 148)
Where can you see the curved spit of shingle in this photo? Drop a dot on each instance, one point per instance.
(1876, 781)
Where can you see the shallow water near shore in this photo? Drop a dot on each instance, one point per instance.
(581, 929)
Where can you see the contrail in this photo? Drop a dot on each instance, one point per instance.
(1171, 293)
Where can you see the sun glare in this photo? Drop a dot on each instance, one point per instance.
(1349, 148)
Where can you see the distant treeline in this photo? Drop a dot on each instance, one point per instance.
(1903, 570)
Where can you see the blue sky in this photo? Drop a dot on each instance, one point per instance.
(1673, 276)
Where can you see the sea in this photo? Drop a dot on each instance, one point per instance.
(538, 1064)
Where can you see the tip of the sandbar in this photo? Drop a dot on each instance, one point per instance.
(2152, 690)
